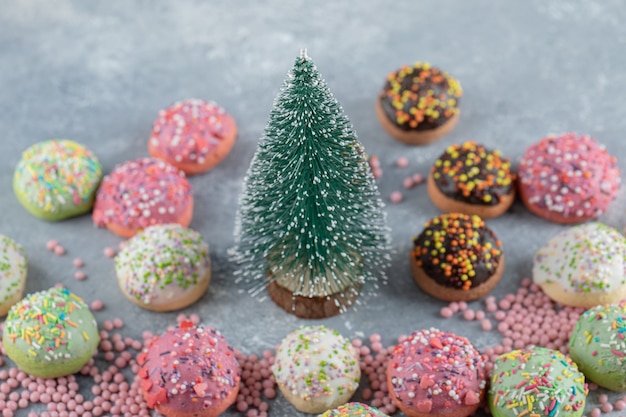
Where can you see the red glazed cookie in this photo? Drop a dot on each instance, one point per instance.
(419, 104)
(189, 372)
(435, 373)
(472, 179)
(457, 258)
(142, 193)
(193, 135)
(568, 179)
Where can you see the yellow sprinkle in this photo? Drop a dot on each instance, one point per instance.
(85, 335)
(32, 352)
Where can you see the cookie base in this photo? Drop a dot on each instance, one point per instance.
(550, 215)
(315, 405)
(450, 205)
(586, 300)
(174, 304)
(429, 286)
(414, 137)
(221, 405)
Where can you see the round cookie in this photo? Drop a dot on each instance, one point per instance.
(472, 179)
(597, 345)
(568, 178)
(354, 410)
(419, 103)
(536, 382)
(189, 371)
(164, 267)
(193, 135)
(142, 193)
(436, 373)
(583, 266)
(13, 268)
(50, 334)
(316, 369)
(457, 258)
(57, 179)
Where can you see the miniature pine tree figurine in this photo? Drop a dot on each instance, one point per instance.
(310, 225)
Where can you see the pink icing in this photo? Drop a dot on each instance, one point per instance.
(189, 130)
(572, 175)
(141, 193)
(189, 369)
(436, 372)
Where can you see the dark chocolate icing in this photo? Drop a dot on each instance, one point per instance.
(420, 97)
(457, 251)
(473, 174)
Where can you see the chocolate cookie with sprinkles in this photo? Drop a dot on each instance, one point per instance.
(457, 258)
(419, 103)
(472, 179)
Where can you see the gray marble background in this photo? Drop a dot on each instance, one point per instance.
(98, 72)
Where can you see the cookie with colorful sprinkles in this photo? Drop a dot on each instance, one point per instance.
(583, 266)
(142, 193)
(457, 257)
(50, 334)
(164, 267)
(57, 179)
(536, 382)
(354, 410)
(193, 135)
(419, 103)
(436, 373)
(471, 179)
(598, 347)
(568, 178)
(189, 371)
(316, 369)
(13, 267)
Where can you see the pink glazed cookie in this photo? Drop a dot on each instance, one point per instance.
(436, 373)
(142, 193)
(193, 135)
(189, 371)
(568, 178)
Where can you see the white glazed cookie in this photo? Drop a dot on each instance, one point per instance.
(12, 273)
(583, 266)
(316, 369)
(164, 268)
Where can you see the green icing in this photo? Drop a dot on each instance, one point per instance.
(50, 333)
(598, 347)
(536, 382)
(13, 267)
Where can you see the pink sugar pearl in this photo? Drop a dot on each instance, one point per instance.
(78, 263)
(109, 252)
(408, 183)
(402, 162)
(96, 305)
(80, 275)
(418, 178)
(51, 244)
(396, 197)
(59, 250)
(446, 312)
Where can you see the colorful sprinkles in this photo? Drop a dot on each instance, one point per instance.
(598, 347)
(50, 325)
(457, 250)
(189, 130)
(436, 372)
(571, 175)
(56, 176)
(536, 382)
(420, 97)
(162, 262)
(141, 193)
(589, 258)
(354, 409)
(315, 361)
(13, 266)
(473, 174)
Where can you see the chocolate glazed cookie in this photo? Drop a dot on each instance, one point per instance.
(472, 179)
(457, 258)
(418, 104)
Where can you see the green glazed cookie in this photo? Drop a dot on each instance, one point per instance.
(57, 179)
(12, 273)
(536, 382)
(598, 347)
(50, 334)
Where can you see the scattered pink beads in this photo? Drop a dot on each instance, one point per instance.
(59, 250)
(402, 162)
(78, 263)
(80, 275)
(51, 244)
(109, 252)
(396, 197)
(96, 305)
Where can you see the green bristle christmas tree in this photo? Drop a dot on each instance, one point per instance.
(310, 226)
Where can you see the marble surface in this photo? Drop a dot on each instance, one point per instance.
(98, 72)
